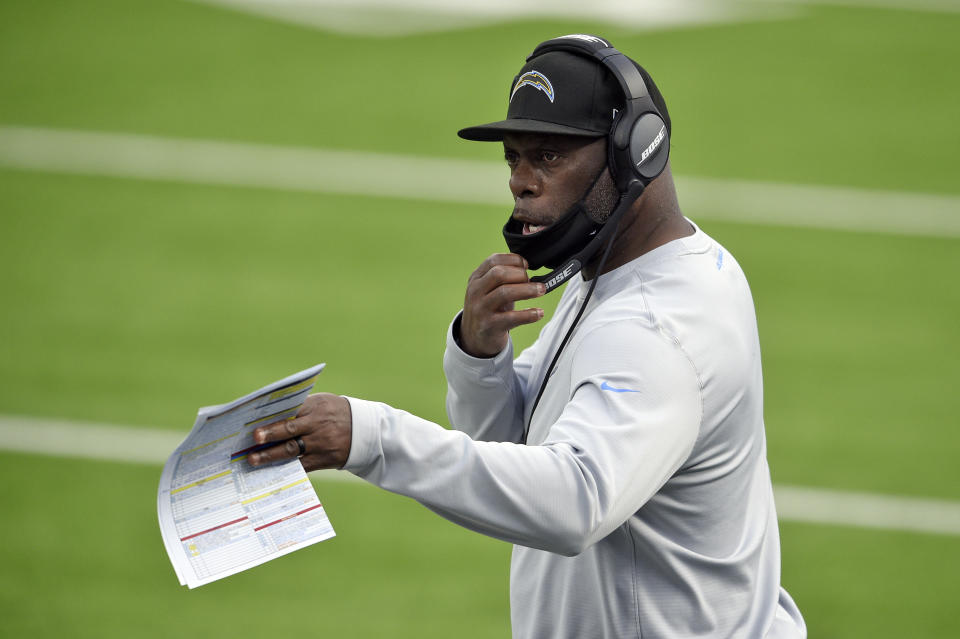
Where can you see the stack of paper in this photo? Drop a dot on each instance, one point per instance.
(219, 515)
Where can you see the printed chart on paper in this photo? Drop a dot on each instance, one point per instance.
(219, 515)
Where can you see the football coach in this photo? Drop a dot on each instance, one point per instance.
(623, 453)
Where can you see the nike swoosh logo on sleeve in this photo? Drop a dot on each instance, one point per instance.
(607, 387)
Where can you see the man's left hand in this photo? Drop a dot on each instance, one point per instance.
(325, 425)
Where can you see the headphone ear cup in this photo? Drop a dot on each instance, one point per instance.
(649, 147)
(618, 159)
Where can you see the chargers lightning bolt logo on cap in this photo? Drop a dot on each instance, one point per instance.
(536, 80)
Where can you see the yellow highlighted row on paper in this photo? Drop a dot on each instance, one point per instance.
(293, 390)
(274, 491)
(275, 417)
(200, 482)
(192, 450)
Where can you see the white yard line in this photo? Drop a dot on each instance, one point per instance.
(62, 438)
(820, 506)
(451, 180)
(386, 18)
(409, 17)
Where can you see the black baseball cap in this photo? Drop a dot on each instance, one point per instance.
(562, 93)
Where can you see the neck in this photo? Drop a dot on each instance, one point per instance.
(652, 221)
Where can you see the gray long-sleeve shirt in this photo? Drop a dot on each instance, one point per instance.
(641, 505)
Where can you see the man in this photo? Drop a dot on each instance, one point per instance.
(624, 452)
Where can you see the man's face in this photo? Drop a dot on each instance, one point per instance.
(550, 173)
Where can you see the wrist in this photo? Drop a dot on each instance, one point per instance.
(469, 349)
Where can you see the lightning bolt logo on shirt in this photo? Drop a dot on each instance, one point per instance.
(536, 80)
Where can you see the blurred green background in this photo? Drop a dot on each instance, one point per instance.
(133, 302)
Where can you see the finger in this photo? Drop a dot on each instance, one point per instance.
(511, 319)
(285, 450)
(503, 297)
(278, 431)
(500, 259)
(496, 277)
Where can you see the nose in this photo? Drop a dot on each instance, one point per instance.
(524, 181)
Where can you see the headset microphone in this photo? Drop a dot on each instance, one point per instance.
(576, 262)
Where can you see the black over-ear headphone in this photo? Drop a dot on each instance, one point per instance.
(637, 145)
(638, 148)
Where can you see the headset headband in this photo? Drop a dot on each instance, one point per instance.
(634, 88)
(635, 92)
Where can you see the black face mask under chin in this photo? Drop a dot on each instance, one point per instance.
(551, 246)
(554, 244)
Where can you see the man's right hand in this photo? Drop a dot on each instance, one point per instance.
(488, 308)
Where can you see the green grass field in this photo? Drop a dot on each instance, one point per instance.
(134, 302)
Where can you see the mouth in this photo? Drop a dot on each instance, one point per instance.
(529, 224)
(530, 229)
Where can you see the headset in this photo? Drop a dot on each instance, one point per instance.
(637, 145)
(638, 148)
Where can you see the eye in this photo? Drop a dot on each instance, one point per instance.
(511, 158)
(549, 157)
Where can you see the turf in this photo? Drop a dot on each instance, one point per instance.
(96, 567)
(135, 302)
(149, 300)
